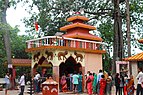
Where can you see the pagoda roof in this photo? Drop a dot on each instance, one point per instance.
(137, 57)
(74, 25)
(81, 35)
(77, 17)
(140, 40)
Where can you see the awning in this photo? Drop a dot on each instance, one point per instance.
(137, 57)
(26, 63)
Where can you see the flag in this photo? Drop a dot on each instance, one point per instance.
(36, 26)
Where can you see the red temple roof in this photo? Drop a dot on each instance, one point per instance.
(77, 17)
(140, 40)
(81, 35)
(74, 25)
(78, 29)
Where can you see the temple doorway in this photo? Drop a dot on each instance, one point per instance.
(47, 68)
(69, 66)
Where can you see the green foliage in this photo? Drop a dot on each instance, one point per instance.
(52, 14)
(18, 43)
(106, 33)
(107, 63)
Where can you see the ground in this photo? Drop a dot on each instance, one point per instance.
(15, 92)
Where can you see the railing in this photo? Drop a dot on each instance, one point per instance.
(63, 41)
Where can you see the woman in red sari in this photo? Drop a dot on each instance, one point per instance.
(89, 82)
(63, 83)
(102, 84)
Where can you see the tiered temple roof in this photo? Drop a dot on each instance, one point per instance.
(79, 30)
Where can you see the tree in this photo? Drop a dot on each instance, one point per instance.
(52, 15)
(18, 44)
(5, 28)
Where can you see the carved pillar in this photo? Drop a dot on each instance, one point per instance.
(83, 80)
(56, 73)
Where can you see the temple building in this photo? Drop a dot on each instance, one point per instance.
(136, 62)
(76, 50)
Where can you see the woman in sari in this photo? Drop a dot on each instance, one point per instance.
(94, 83)
(130, 86)
(102, 84)
(63, 83)
(89, 82)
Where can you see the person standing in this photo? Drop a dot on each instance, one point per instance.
(75, 81)
(140, 80)
(122, 81)
(79, 86)
(36, 82)
(109, 84)
(117, 84)
(94, 83)
(102, 84)
(89, 82)
(22, 84)
(98, 80)
(68, 82)
(7, 81)
(71, 84)
(125, 84)
(63, 83)
(130, 86)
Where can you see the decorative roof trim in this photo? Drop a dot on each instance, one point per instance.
(74, 25)
(137, 57)
(77, 17)
(66, 48)
(140, 41)
(85, 37)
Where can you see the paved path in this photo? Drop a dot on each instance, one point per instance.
(16, 92)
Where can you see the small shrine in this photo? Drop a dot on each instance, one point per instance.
(136, 61)
(77, 50)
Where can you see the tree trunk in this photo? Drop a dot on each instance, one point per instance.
(6, 34)
(118, 36)
(128, 31)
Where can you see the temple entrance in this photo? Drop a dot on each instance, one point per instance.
(69, 66)
(66, 71)
(47, 68)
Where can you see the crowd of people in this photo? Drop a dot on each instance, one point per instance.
(94, 84)
(101, 83)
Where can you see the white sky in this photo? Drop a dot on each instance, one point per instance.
(15, 16)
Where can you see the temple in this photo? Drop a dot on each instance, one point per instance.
(77, 50)
(135, 62)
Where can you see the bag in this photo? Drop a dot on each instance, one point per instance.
(89, 80)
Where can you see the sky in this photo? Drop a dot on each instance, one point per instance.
(15, 16)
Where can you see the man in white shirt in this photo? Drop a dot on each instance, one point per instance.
(7, 81)
(140, 81)
(36, 82)
(22, 84)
